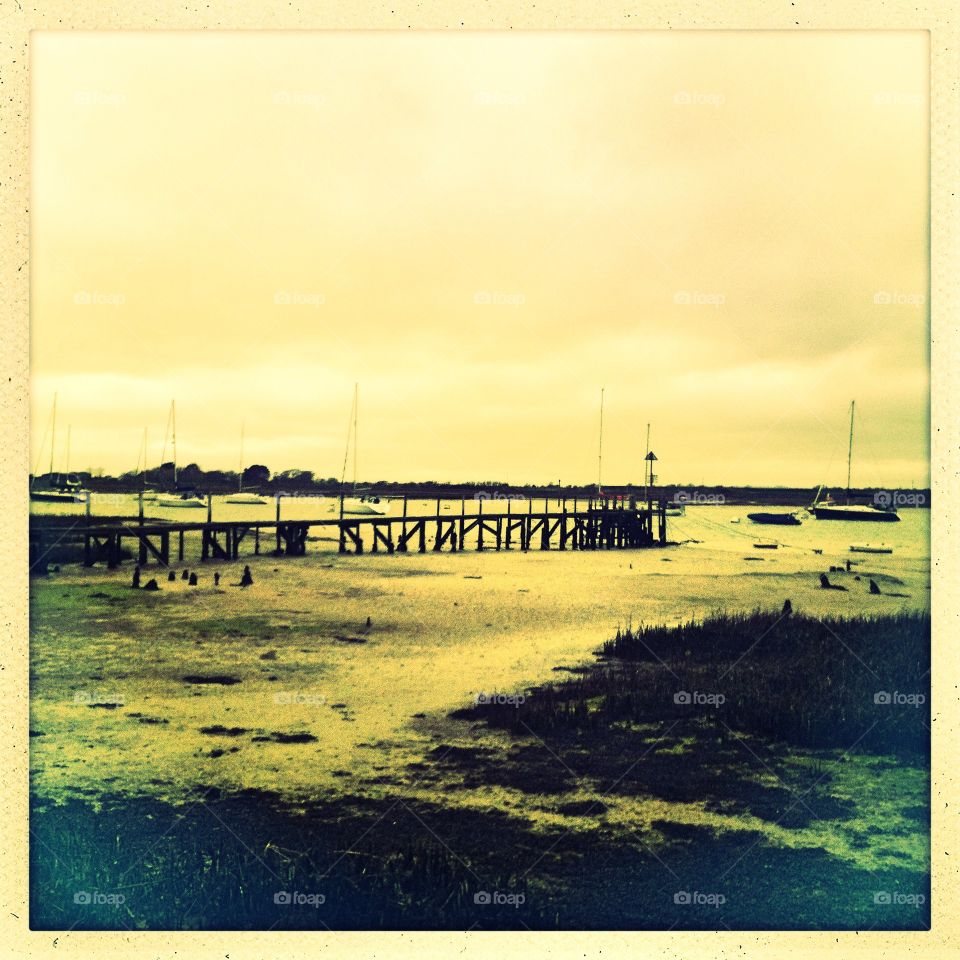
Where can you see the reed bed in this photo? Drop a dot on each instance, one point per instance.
(860, 683)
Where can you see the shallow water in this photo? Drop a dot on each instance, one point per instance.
(719, 527)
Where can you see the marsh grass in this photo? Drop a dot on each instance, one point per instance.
(606, 738)
(802, 680)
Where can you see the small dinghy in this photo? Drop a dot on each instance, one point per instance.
(765, 545)
(870, 548)
(778, 519)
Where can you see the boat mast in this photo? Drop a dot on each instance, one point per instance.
(240, 484)
(850, 450)
(143, 482)
(346, 449)
(66, 468)
(600, 451)
(355, 412)
(53, 435)
(173, 419)
(647, 470)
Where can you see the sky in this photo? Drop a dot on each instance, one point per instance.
(726, 233)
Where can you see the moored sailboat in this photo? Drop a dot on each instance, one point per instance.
(359, 503)
(57, 487)
(827, 509)
(176, 497)
(247, 497)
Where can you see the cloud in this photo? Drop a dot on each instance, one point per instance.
(727, 231)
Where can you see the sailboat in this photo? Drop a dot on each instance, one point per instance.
(176, 498)
(358, 503)
(827, 509)
(146, 494)
(59, 487)
(249, 497)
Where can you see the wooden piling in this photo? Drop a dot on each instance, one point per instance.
(278, 523)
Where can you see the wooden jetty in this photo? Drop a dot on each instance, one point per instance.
(600, 525)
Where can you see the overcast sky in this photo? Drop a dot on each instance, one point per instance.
(726, 231)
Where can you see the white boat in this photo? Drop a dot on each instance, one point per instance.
(369, 506)
(249, 498)
(870, 548)
(179, 500)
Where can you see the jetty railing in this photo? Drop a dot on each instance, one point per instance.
(600, 525)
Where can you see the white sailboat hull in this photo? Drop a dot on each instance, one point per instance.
(180, 502)
(247, 498)
(360, 507)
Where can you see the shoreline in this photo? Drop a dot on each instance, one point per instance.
(443, 629)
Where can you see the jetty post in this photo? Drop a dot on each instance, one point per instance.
(279, 494)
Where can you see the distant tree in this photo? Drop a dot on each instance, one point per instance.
(191, 473)
(255, 475)
(220, 477)
(295, 479)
